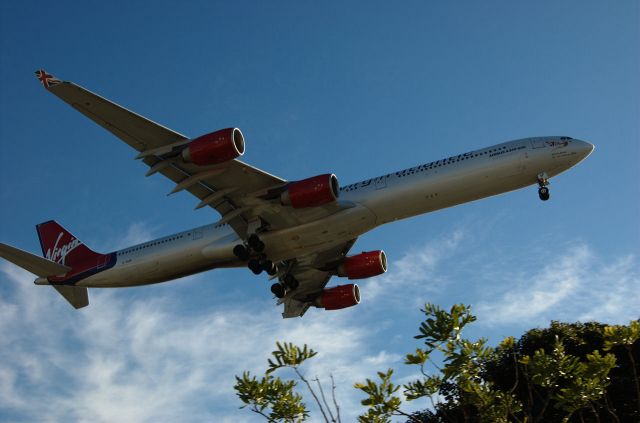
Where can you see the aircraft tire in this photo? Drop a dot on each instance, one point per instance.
(267, 265)
(241, 252)
(255, 266)
(255, 243)
(543, 192)
(278, 290)
(273, 271)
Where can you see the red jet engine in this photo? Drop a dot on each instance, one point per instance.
(214, 148)
(311, 192)
(341, 296)
(365, 265)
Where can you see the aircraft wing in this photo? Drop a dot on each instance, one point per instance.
(233, 188)
(308, 271)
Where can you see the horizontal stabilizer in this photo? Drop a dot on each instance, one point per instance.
(34, 264)
(77, 296)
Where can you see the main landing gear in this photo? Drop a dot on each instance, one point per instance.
(543, 191)
(258, 262)
(252, 253)
(289, 283)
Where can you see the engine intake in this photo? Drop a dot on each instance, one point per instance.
(214, 148)
(311, 192)
(365, 265)
(341, 296)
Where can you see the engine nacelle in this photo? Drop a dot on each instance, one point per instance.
(216, 147)
(365, 265)
(311, 192)
(341, 296)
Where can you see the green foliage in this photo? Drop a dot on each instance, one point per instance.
(289, 355)
(440, 326)
(381, 400)
(552, 375)
(275, 398)
(272, 394)
(572, 384)
(441, 332)
(569, 376)
(621, 335)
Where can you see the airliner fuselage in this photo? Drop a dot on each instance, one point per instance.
(420, 189)
(298, 232)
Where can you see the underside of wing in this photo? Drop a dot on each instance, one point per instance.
(241, 193)
(137, 131)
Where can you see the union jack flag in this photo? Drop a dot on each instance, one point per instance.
(46, 79)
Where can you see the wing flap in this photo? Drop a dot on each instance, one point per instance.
(35, 264)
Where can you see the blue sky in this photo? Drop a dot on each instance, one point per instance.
(358, 89)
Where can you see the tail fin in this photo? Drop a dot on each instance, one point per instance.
(61, 246)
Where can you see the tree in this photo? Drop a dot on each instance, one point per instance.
(567, 372)
(579, 340)
(275, 399)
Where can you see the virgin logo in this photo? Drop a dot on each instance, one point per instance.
(58, 254)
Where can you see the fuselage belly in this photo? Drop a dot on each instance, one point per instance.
(400, 195)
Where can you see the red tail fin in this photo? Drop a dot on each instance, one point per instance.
(61, 246)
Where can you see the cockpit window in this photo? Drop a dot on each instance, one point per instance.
(566, 138)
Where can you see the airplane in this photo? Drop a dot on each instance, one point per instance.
(298, 232)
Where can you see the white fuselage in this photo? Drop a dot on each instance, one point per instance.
(410, 192)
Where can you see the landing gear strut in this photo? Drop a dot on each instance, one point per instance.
(543, 191)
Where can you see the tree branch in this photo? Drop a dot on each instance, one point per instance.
(409, 416)
(315, 397)
(333, 395)
(613, 414)
(635, 373)
(324, 399)
(269, 419)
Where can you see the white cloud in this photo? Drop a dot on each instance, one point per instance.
(574, 285)
(414, 275)
(119, 360)
(147, 360)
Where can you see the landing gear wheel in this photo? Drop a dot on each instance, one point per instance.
(255, 243)
(291, 282)
(255, 266)
(273, 271)
(241, 252)
(278, 290)
(267, 265)
(543, 192)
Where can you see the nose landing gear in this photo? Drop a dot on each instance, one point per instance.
(543, 181)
